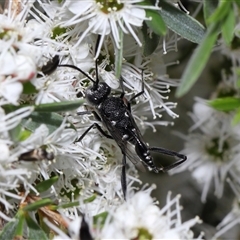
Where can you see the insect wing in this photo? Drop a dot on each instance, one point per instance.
(133, 157)
(127, 147)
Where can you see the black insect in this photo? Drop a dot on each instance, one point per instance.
(115, 114)
(37, 154)
(51, 65)
(84, 232)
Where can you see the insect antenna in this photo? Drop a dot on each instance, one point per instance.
(78, 69)
(95, 82)
(96, 62)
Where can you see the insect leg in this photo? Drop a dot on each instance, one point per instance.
(84, 113)
(128, 102)
(99, 129)
(140, 93)
(84, 231)
(90, 112)
(170, 153)
(123, 176)
(122, 87)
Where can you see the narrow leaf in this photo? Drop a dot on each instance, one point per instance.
(29, 88)
(45, 185)
(236, 118)
(181, 23)
(48, 107)
(38, 204)
(156, 23)
(221, 12)
(198, 61)
(9, 230)
(59, 106)
(209, 7)
(100, 218)
(51, 120)
(237, 2)
(34, 231)
(228, 27)
(90, 199)
(225, 104)
(20, 228)
(67, 205)
(150, 41)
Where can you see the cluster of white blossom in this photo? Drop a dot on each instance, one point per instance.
(213, 143)
(212, 146)
(31, 34)
(137, 218)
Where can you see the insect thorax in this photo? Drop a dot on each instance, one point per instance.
(113, 108)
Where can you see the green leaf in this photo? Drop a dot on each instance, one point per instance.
(20, 228)
(45, 185)
(38, 204)
(225, 104)
(19, 134)
(66, 205)
(150, 42)
(9, 230)
(15, 133)
(29, 88)
(100, 218)
(156, 23)
(51, 120)
(34, 231)
(90, 199)
(228, 27)
(209, 7)
(59, 106)
(236, 118)
(237, 2)
(181, 23)
(48, 107)
(221, 12)
(198, 61)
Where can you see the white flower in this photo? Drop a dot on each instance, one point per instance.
(213, 152)
(140, 218)
(9, 175)
(137, 218)
(154, 90)
(104, 18)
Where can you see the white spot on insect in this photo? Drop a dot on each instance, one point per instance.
(113, 123)
(125, 136)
